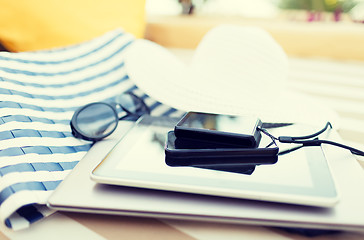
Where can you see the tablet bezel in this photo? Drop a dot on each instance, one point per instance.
(322, 194)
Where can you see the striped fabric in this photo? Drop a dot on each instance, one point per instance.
(39, 93)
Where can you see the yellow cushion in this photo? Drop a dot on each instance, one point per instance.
(27, 25)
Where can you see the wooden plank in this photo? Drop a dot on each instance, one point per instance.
(343, 40)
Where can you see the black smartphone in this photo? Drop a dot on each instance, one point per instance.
(206, 130)
(218, 157)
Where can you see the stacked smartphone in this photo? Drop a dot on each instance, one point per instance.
(220, 142)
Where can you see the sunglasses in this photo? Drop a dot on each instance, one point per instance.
(98, 120)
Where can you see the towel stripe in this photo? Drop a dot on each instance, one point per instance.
(33, 167)
(70, 84)
(27, 186)
(95, 50)
(30, 73)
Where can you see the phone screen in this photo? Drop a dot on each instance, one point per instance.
(223, 123)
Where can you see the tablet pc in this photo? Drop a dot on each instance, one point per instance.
(138, 160)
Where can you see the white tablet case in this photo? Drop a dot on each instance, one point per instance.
(79, 193)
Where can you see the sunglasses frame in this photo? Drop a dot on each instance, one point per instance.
(78, 133)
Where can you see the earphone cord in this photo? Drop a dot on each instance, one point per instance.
(312, 142)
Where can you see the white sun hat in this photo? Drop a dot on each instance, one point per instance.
(235, 70)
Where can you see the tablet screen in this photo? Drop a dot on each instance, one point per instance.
(138, 160)
(149, 144)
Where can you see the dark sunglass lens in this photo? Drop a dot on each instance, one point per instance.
(97, 120)
(129, 102)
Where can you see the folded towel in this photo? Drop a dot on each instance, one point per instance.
(39, 92)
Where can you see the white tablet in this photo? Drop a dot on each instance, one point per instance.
(138, 160)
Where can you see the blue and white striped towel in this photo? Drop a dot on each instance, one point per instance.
(39, 93)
